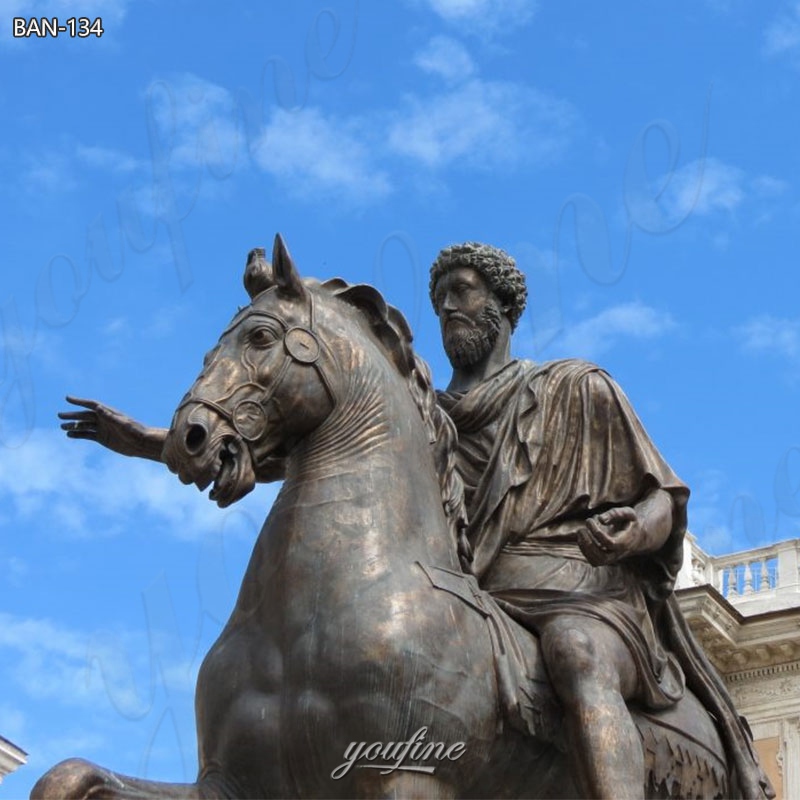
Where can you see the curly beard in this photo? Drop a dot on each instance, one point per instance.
(466, 347)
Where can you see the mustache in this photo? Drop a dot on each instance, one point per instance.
(458, 317)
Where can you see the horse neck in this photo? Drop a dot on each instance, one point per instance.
(358, 429)
(371, 453)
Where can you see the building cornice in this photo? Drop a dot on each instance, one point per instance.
(738, 645)
(11, 757)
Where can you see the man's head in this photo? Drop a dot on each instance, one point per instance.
(497, 269)
(473, 287)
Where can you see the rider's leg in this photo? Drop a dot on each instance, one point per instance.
(593, 673)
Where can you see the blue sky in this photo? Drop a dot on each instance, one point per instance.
(639, 160)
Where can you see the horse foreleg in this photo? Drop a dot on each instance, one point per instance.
(75, 779)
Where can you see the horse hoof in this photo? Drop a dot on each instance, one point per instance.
(73, 778)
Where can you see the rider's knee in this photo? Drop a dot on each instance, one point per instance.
(570, 648)
(574, 659)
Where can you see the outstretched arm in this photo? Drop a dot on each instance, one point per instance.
(113, 429)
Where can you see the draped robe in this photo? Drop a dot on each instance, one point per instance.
(541, 449)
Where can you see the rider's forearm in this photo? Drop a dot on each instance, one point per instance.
(149, 443)
(655, 514)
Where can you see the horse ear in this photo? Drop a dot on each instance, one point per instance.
(285, 273)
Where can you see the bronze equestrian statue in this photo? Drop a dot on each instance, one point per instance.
(432, 609)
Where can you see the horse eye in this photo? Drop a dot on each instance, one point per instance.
(261, 337)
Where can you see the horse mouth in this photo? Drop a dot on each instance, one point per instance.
(235, 476)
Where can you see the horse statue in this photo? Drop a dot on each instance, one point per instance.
(360, 660)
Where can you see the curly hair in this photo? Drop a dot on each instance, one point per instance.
(495, 266)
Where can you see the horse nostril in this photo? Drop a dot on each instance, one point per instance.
(195, 437)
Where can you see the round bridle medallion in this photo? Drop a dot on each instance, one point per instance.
(302, 345)
(249, 419)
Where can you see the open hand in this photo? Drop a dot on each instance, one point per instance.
(112, 429)
(610, 536)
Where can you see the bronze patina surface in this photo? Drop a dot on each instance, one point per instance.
(466, 594)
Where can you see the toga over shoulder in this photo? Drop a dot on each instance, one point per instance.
(558, 442)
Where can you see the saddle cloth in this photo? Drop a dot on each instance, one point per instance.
(684, 755)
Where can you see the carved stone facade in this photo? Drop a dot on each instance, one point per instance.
(745, 610)
(11, 757)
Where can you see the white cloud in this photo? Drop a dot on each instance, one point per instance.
(706, 520)
(48, 172)
(723, 519)
(782, 36)
(769, 186)
(198, 120)
(119, 332)
(314, 155)
(703, 187)
(447, 58)
(320, 156)
(57, 170)
(119, 677)
(772, 335)
(309, 153)
(483, 124)
(164, 321)
(95, 492)
(15, 570)
(118, 326)
(487, 15)
(107, 159)
(325, 157)
(600, 333)
(54, 662)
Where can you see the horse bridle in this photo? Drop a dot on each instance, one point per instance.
(301, 345)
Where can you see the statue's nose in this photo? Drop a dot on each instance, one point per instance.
(195, 439)
(448, 303)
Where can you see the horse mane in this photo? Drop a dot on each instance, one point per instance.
(394, 335)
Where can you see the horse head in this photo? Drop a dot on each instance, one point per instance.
(262, 388)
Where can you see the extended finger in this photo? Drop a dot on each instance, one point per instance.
(82, 427)
(82, 435)
(79, 401)
(80, 416)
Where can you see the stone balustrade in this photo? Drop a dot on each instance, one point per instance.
(762, 579)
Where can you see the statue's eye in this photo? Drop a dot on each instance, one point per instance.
(262, 336)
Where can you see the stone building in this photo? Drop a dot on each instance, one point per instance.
(745, 610)
(11, 757)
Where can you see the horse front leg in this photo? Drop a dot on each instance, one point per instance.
(75, 779)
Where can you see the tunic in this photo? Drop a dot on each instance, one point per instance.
(541, 449)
